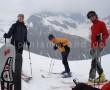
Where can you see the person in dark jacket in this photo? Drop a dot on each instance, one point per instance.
(99, 36)
(62, 44)
(18, 35)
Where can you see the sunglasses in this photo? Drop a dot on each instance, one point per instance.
(90, 16)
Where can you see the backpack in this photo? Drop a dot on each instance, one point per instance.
(106, 86)
(83, 86)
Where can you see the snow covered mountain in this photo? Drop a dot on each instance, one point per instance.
(41, 64)
(71, 25)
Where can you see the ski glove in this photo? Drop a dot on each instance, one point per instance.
(28, 43)
(5, 35)
(55, 47)
(60, 44)
(99, 38)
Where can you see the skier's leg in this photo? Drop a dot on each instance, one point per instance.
(18, 65)
(101, 77)
(19, 47)
(99, 67)
(65, 62)
(18, 69)
(92, 73)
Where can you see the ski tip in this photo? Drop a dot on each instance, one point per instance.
(66, 76)
(42, 76)
(27, 79)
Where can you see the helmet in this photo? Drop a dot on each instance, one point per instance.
(51, 36)
(91, 14)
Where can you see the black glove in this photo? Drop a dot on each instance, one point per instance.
(28, 43)
(55, 47)
(60, 44)
(99, 38)
(5, 35)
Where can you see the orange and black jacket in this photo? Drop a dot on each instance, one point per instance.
(63, 41)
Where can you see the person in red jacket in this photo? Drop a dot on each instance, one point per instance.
(99, 36)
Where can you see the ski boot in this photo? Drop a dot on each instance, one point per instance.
(63, 72)
(67, 75)
(100, 79)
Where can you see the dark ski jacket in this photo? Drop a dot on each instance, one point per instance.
(97, 28)
(18, 32)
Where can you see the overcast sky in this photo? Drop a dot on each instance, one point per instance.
(10, 8)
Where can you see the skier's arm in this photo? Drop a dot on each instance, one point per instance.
(26, 36)
(26, 41)
(105, 33)
(11, 31)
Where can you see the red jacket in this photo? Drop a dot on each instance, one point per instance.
(97, 28)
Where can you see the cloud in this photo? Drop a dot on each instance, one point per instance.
(11, 7)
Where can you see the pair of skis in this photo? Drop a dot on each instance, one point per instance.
(68, 84)
(53, 75)
(26, 78)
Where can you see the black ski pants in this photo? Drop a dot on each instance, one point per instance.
(65, 57)
(18, 70)
(18, 64)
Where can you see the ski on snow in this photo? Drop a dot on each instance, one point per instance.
(26, 78)
(47, 74)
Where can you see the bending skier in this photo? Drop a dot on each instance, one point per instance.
(18, 35)
(99, 35)
(62, 44)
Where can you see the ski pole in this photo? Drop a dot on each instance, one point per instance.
(100, 54)
(96, 55)
(76, 83)
(30, 60)
(100, 63)
(51, 64)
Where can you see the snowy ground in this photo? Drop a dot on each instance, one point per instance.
(40, 66)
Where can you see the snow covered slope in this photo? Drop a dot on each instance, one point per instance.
(40, 66)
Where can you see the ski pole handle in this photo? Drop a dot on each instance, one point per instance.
(74, 80)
